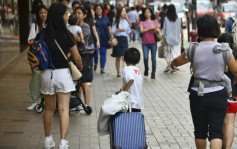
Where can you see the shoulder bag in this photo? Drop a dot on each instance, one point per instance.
(157, 35)
(76, 74)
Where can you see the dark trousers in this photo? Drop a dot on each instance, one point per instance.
(133, 35)
(208, 113)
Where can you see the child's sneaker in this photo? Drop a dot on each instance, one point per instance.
(63, 144)
(48, 142)
(231, 99)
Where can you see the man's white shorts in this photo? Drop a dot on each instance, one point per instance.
(58, 80)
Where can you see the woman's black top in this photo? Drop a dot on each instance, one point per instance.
(65, 41)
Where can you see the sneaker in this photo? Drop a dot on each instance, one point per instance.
(172, 71)
(63, 145)
(32, 107)
(102, 71)
(80, 108)
(146, 73)
(168, 68)
(153, 75)
(48, 142)
(231, 99)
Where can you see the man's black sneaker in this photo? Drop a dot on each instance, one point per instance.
(146, 73)
(153, 75)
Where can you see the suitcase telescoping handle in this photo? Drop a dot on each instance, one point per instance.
(130, 106)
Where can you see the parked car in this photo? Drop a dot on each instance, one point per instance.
(224, 11)
(204, 7)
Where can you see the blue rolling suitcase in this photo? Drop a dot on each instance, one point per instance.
(127, 131)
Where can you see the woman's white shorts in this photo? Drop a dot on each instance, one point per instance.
(58, 80)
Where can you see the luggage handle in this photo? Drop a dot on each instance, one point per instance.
(129, 106)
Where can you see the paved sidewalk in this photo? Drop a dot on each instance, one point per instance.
(167, 115)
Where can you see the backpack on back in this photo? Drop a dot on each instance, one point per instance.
(39, 55)
(234, 31)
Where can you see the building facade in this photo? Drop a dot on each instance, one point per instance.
(14, 28)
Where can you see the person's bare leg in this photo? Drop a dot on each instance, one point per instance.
(86, 92)
(63, 108)
(201, 143)
(117, 65)
(216, 144)
(228, 130)
(50, 105)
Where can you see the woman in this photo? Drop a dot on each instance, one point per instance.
(104, 30)
(229, 122)
(148, 27)
(208, 111)
(81, 15)
(39, 24)
(171, 35)
(36, 27)
(32, 15)
(121, 30)
(58, 83)
(94, 38)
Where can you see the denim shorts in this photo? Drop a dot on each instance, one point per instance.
(54, 81)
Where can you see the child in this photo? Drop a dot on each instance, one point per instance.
(75, 29)
(132, 79)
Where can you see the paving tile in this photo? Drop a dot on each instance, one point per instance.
(167, 115)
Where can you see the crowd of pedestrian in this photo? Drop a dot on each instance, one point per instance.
(91, 26)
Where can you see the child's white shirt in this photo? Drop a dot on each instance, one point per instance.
(74, 29)
(133, 73)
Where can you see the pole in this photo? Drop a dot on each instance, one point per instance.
(194, 14)
(147, 3)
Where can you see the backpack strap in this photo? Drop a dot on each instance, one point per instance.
(190, 54)
(42, 35)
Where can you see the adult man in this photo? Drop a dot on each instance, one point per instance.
(228, 26)
(133, 17)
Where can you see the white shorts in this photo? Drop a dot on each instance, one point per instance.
(54, 81)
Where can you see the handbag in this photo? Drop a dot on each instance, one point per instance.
(34, 85)
(76, 74)
(161, 53)
(157, 35)
(113, 42)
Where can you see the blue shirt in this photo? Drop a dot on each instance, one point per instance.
(102, 25)
(132, 16)
(228, 26)
(122, 24)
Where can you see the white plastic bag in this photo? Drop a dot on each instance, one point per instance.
(117, 103)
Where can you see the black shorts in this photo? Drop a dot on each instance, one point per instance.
(208, 113)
